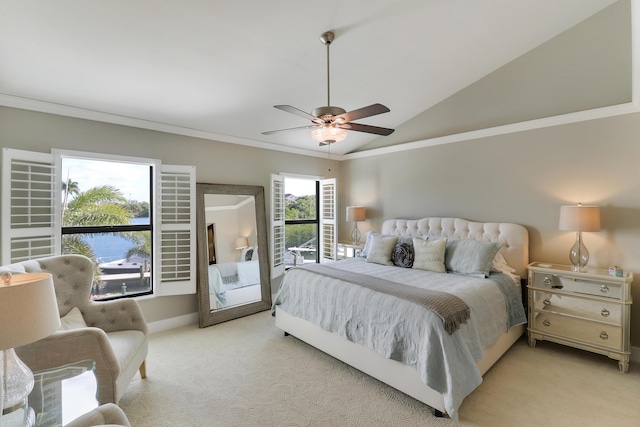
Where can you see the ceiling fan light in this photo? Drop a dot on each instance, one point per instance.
(328, 134)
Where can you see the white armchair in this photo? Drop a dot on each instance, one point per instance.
(115, 335)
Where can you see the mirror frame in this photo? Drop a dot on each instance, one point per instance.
(205, 315)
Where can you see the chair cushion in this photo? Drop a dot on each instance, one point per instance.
(125, 344)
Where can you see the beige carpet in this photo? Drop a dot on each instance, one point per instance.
(246, 373)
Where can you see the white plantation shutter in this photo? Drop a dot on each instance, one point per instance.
(175, 265)
(29, 204)
(277, 225)
(328, 220)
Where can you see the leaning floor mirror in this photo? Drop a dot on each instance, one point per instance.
(233, 256)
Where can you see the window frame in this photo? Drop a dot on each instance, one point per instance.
(153, 165)
(38, 231)
(326, 220)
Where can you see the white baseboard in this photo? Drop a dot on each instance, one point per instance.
(174, 322)
(635, 354)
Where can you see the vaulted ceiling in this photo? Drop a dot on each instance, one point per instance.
(215, 69)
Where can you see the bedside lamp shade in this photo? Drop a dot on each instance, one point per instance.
(355, 213)
(241, 243)
(28, 312)
(579, 218)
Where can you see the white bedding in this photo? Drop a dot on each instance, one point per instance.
(229, 276)
(399, 329)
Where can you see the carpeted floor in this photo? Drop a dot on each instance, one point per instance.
(246, 373)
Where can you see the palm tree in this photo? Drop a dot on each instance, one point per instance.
(69, 187)
(102, 205)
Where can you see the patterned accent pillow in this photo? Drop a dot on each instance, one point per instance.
(381, 248)
(248, 255)
(429, 255)
(403, 253)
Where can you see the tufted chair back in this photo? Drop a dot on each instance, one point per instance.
(72, 278)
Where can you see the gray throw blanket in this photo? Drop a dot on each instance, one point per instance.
(451, 309)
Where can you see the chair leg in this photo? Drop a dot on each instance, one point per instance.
(143, 370)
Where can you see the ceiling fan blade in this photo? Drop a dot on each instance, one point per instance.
(271, 132)
(367, 128)
(360, 113)
(296, 111)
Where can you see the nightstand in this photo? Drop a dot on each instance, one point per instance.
(588, 310)
(349, 250)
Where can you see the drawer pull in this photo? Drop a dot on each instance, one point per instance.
(547, 280)
(605, 312)
(546, 302)
(548, 323)
(604, 289)
(604, 335)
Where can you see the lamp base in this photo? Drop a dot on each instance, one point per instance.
(17, 381)
(355, 234)
(579, 255)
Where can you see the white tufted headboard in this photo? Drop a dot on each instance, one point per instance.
(514, 237)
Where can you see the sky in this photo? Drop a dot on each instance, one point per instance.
(299, 187)
(131, 179)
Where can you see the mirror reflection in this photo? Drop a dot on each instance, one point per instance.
(232, 250)
(233, 257)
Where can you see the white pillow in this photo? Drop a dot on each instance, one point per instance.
(72, 320)
(429, 255)
(381, 248)
(500, 265)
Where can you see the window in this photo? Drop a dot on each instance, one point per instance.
(303, 214)
(107, 217)
(301, 221)
(67, 202)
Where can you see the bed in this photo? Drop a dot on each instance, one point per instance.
(436, 353)
(232, 283)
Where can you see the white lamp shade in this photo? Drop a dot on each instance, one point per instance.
(28, 310)
(241, 243)
(355, 213)
(580, 218)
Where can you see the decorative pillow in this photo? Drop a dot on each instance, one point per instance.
(72, 320)
(367, 242)
(403, 253)
(248, 255)
(429, 255)
(472, 257)
(380, 249)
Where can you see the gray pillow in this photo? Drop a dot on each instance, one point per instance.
(471, 257)
(403, 253)
(381, 248)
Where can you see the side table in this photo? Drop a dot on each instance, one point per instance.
(59, 396)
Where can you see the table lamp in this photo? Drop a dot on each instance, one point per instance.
(241, 243)
(579, 218)
(355, 214)
(28, 312)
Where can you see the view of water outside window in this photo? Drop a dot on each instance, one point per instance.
(106, 217)
(301, 222)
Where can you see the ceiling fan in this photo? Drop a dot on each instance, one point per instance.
(330, 124)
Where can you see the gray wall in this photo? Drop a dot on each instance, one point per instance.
(215, 163)
(522, 177)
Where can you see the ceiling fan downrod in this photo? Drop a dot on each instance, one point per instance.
(329, 111)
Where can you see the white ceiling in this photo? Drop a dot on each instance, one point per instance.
(214, 69)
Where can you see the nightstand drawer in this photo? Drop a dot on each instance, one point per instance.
(581, 286)
(591, 309)
(597, 334)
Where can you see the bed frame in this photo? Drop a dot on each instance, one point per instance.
(515, 241)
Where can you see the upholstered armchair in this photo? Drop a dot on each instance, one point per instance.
(111, 333)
